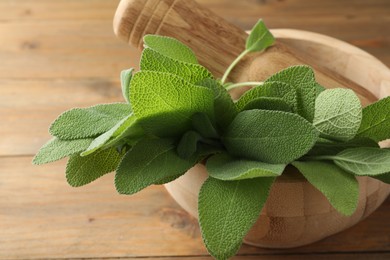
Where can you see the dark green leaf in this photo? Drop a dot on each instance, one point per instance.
(188, 144)
(149, 162)
(268, 103)
(227, 210)
(57, 149)
(271, 90)
(383, 177)
(363, 161)
(225, 110)
(338, 186)
(127, 125)
(269, 136)
(332, 148)
(226, 167)
(79, 123)
(83, 170)
(203, 125)
(376, 121)
(302, 79)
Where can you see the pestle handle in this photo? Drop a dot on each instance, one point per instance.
(215, 41)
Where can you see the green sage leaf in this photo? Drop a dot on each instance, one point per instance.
(338, 114)
(226, 167)
(269, 136)
(126, 76)
(227, 210)
(376, 121)
(363, 161)
(83, 170)
(338, 186)
(149, 161)
(333, 148)
(225, 110)
(188, 144)
(57, 149)
(302, 79)
(259, 38)
(164, 103)
(154, 61)
(167, 179)
(170, 47)
(203, 125)
(270, 89)
(79, 123)
(268, 103)
(127, 125)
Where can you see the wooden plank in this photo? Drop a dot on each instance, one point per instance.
(48, 219)
(41, 217)
(63, 50)
(56, 10)
(29, 106)
(70, 48)
(98, 9)
(281, 257)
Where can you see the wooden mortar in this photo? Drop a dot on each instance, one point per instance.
(296, 213)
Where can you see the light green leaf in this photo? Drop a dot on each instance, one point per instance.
(148, 162)
(164, 103)
(260, 38)
(188, 144)
(338, 186)
(338, 114)
(79, 123)
(225, 110)
(363, 161)
(376, 121)
(268, 103)
(269, 136)
(170, 47)
(126, 76)
(226, 167)
(270, 89)
(302, 79)
(127, 125)
(227, 210)
(83, 170)
(57, 149)
(154, 61)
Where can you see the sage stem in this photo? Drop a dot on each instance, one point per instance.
(243, 84)
(232, 65)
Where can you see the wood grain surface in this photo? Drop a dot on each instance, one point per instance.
(59, 54)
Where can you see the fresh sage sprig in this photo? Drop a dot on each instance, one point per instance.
(176, 114)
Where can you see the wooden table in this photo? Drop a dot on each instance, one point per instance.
(55, 55)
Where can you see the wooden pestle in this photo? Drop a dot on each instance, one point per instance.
(215, 41)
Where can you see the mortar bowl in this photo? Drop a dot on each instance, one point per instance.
(296, 213)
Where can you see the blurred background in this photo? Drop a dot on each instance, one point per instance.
(59, 54)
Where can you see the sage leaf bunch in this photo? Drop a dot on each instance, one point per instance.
(176, 114)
